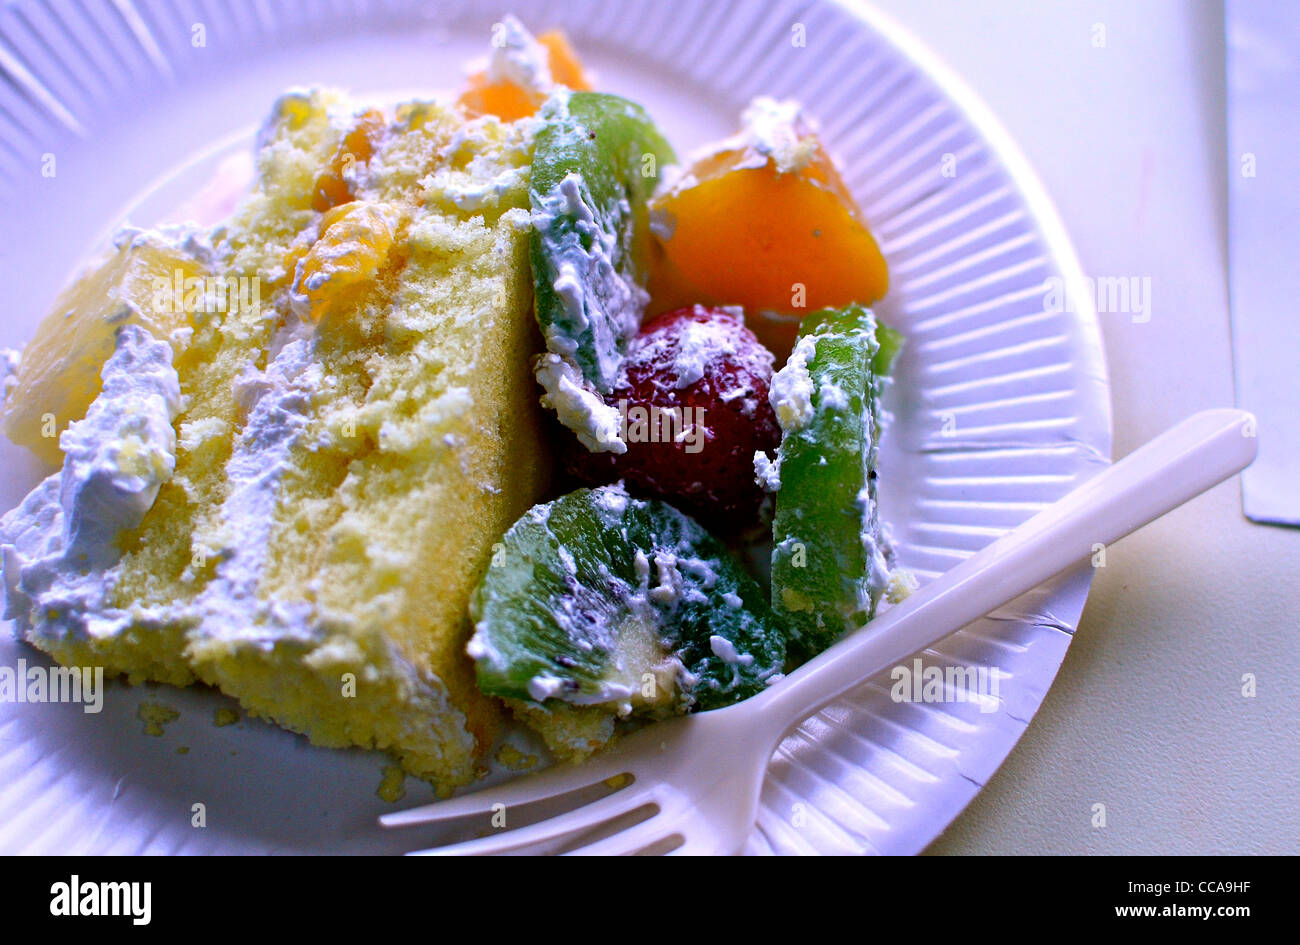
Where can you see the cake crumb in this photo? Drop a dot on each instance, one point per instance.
(393, 787)
(901, 585)
(156, 716)
(225, 716)
(182, 749)
(514, 759)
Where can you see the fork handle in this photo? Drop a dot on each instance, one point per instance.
(1177, 465)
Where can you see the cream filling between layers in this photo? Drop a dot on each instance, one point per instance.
(231, 613)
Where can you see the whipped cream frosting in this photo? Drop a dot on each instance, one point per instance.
(596, 424)
(59, 546)
(596, 296)
(779, 131)
(792, 388)
(517, 57)
(278, 400)
(10, 359)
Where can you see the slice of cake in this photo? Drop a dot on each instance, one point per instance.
(284, 472)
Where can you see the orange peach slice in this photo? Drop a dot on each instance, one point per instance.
(771, 228)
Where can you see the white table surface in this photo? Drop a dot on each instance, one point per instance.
(1147, 715)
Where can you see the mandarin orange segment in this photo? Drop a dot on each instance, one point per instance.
(354, 241)
(509, 101)
(506, 100)
(357, 146)
(566, 67)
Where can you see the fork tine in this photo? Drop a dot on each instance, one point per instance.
(593, 814)
(628, 841)
(557, 780)
(692, 845)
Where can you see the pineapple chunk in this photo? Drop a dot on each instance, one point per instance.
(59, 373)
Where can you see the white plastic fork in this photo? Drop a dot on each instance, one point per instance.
(691, 785)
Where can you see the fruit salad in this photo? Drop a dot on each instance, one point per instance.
(716, 376)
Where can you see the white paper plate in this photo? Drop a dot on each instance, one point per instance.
(1001, 404)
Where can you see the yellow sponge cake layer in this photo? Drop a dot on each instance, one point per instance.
(350, 439)
(420, 455)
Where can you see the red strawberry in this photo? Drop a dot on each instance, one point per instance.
(692, 395)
